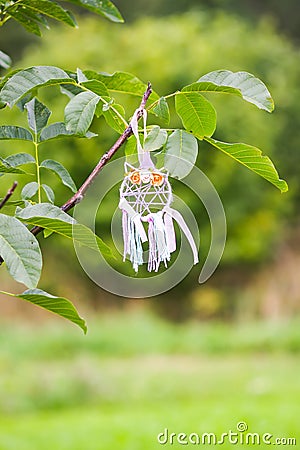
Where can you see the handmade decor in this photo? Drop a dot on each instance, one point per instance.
(145, 199)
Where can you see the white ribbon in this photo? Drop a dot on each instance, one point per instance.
(144, 156)
(160, 231)
(170, 233)
(180, 220)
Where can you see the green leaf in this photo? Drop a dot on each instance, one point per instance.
(29, 190)
(80, 111)
(38, 115)
(12, 132)
(44, 211)
(161, 110)
(113, 116)
(243, 84)
(103, 7)
(58, 130)
(70, 90)
(80, 75)
(130, 147)
(121, 82)
(160, 159)
(155, 139)
(131, 151)
(29, 18)
(180, 153)
(197, 114)
(97, 87)
(54, 131)
(100, 89)
(57, 305)
(252, 158)
(48, 8)
(89, 135)
(5, 60)
(47, 233)
(61, 171)
(19, 159)
(20, 251)
(36, 17)
(108, 102)
(7, 76)
(7, 168)
(24, 81)
(22, 103)
(54, 219)
(12, 203)
(25, 20)
(49, 193)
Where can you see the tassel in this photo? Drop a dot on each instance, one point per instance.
(158, 247)
(125, 234)
(161, 236)
(135, 245)
(152, 258)
(133, 234)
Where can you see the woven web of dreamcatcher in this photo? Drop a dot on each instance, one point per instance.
(145, 198)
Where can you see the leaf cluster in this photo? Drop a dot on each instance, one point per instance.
(91, 96)
(34, 14)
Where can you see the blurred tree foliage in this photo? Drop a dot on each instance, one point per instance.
(14, 39)
(174, 53)
(285, 14)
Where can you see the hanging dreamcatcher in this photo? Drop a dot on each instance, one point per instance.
(145, 199)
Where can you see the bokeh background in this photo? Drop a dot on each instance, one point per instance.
(199, 358)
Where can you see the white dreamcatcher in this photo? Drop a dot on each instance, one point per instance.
(145, 199)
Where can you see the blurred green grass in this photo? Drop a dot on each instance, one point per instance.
(141, 332)
(134, 375)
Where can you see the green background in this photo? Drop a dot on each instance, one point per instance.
(199, 358)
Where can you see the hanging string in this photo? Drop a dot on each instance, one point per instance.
(143, 155)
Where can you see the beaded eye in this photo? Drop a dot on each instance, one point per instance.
(135, 177)
(157, 179)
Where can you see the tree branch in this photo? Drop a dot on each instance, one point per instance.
(78, 197)
(8, 195)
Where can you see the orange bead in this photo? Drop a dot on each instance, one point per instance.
(135, 177)
(157, 179)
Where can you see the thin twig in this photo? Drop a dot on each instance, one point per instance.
(9, 194)
(78, 197)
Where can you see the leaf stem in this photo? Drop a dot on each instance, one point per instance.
(165, 96)
(38, 175)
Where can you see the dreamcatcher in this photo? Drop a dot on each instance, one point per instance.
(145, 199)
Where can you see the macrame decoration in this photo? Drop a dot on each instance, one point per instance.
(145, 199)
